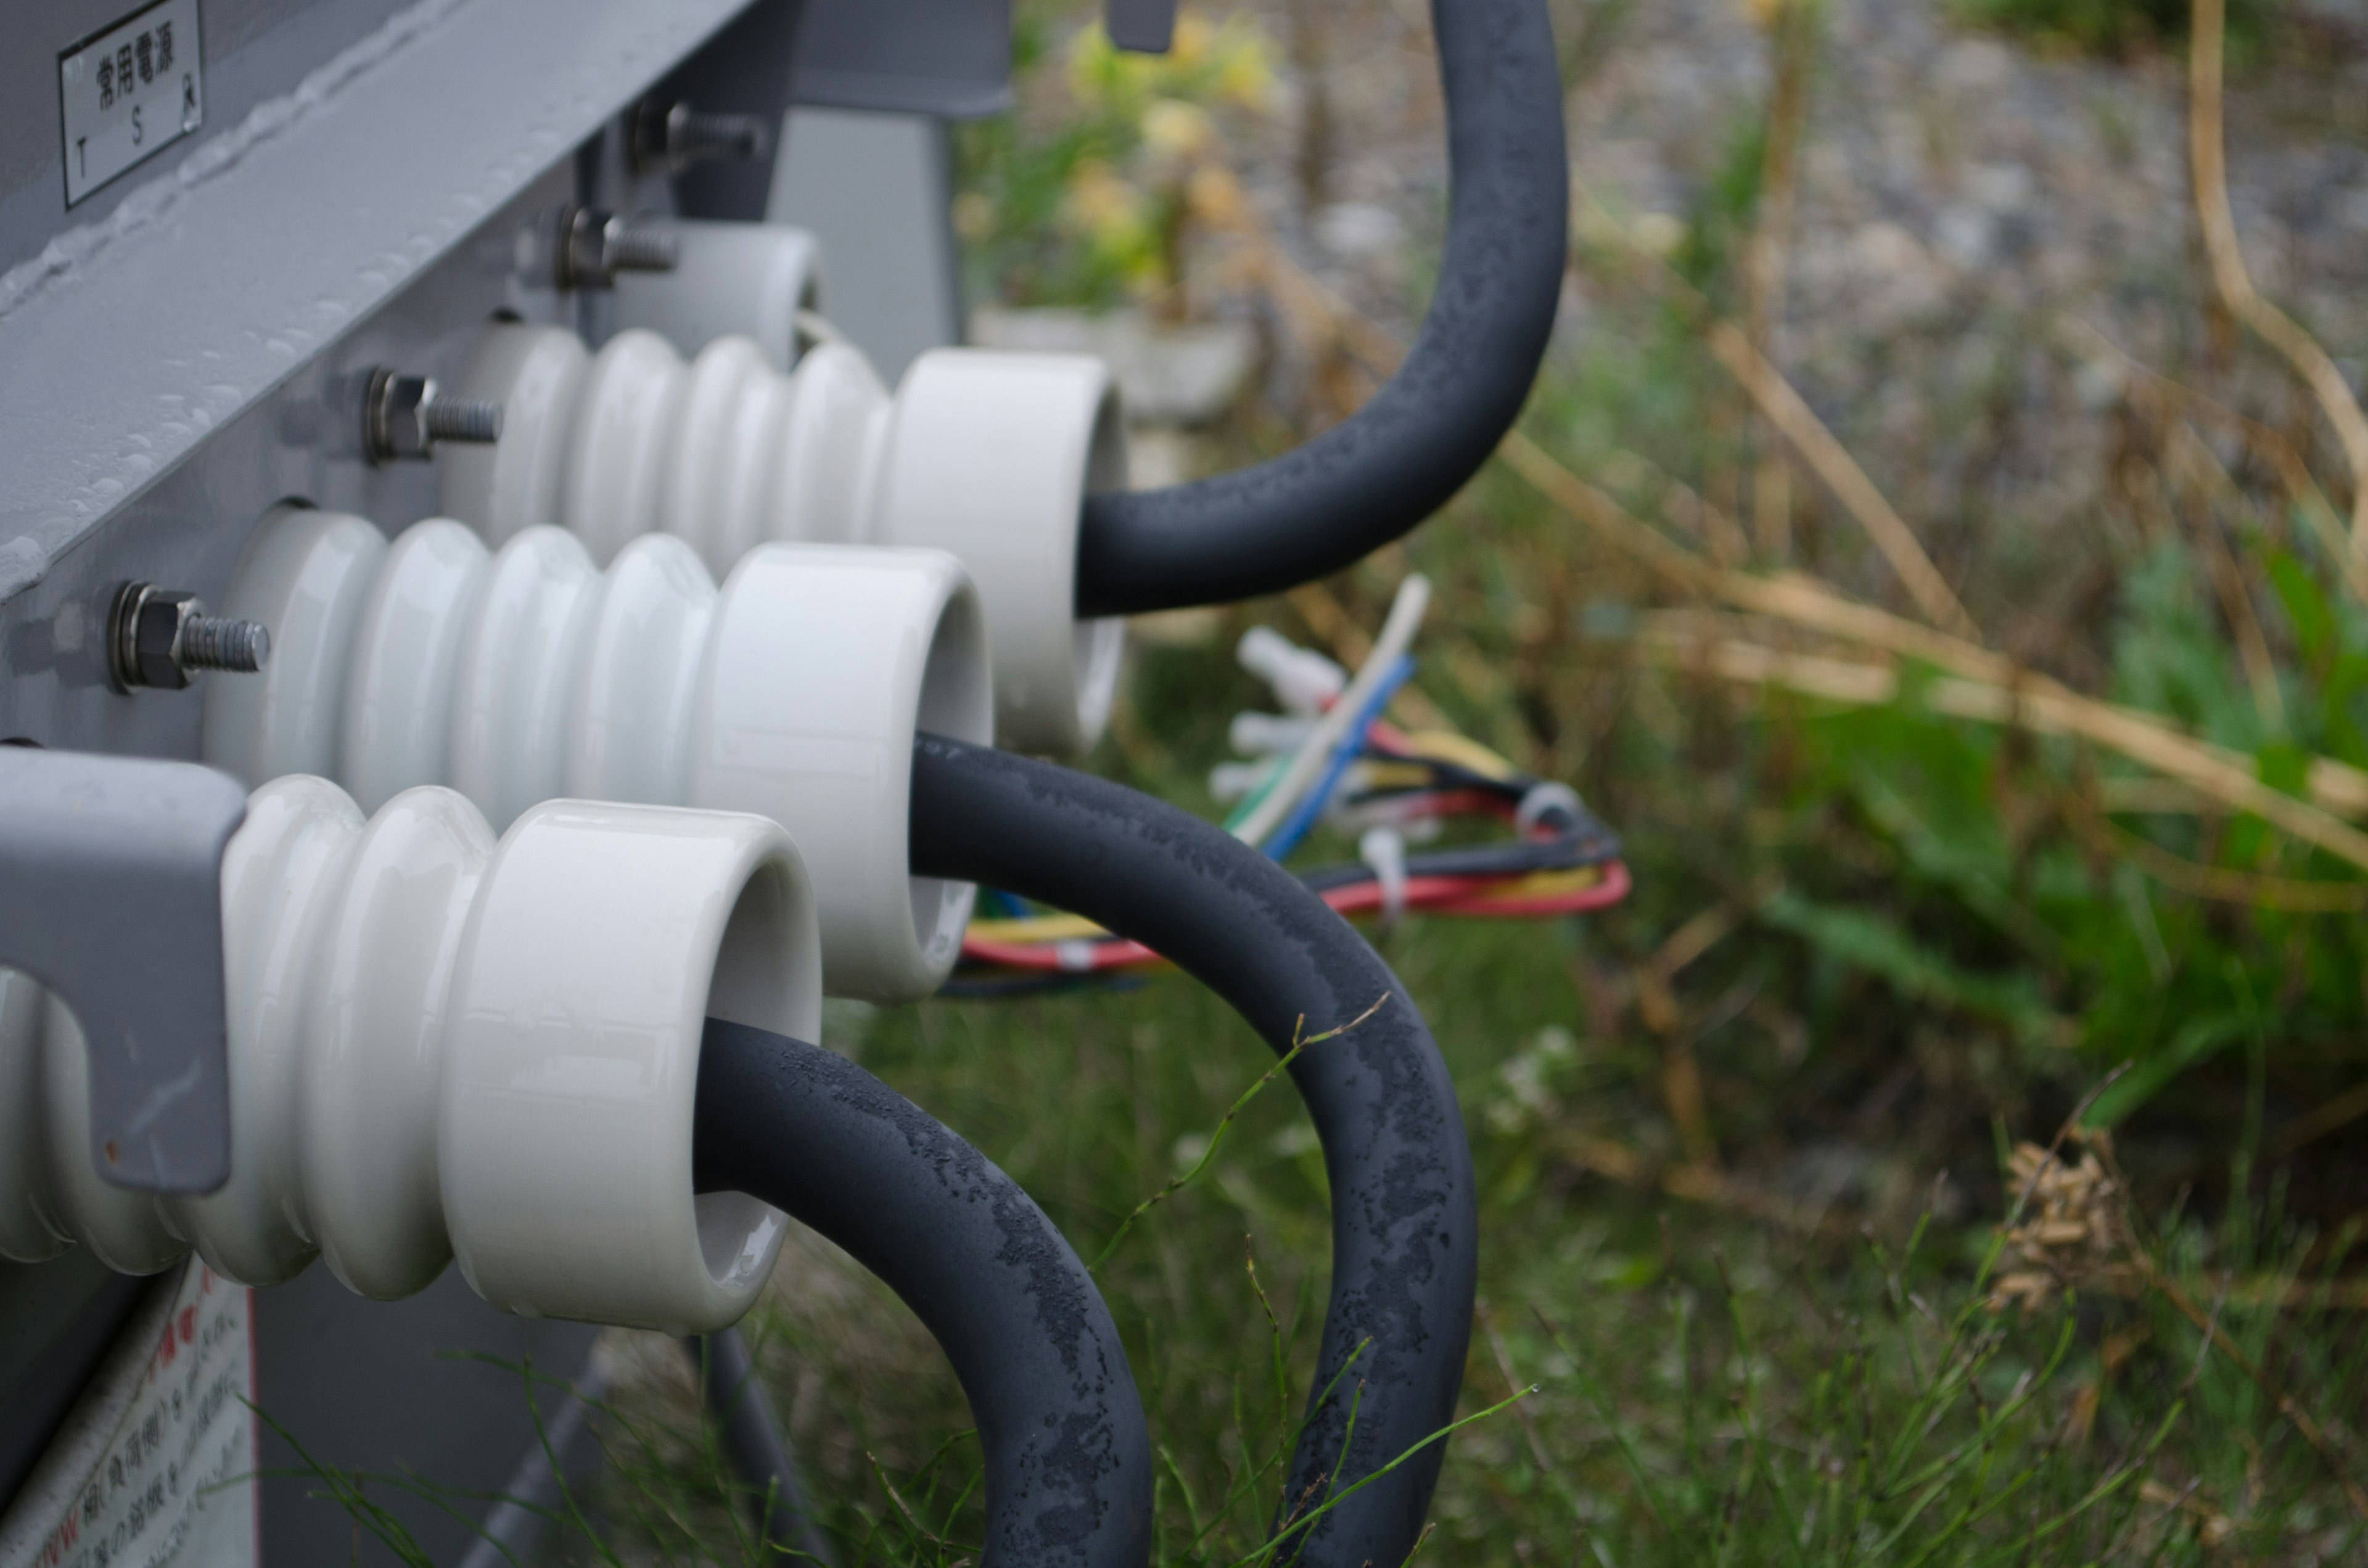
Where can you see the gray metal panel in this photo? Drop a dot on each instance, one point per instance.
(210, 285)
(876, 190)
(113, 871)
(745, 71)
(301, 440)
(56, 1322)
(1145, 26)
(389, 1387)
(949, 58)
(254, 51)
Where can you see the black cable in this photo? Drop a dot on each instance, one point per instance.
(1404, 1222)
(1369, 479)
(1060, 1425)
(754, 1444)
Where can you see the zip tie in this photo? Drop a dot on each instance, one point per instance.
(1231, 782)
(1383, 848)
(1389, 648)
(1549, 795)
(1268, 734)
(1303, 680)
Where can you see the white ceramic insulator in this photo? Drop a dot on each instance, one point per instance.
(525, 673)
(444, 1047)
(751, 279)
(987, 456)
(991, 456)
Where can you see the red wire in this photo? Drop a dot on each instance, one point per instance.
(1438, 895)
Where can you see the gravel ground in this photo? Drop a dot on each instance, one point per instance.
(1965, 203)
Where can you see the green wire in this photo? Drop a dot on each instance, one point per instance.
(1250, 802)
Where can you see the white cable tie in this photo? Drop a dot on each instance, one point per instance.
(1406, 816)
(1303, 680)
(815, 328)
(1396, 636)
(1543, 797)
(1231, 782)
(1383, 849)
(1268, 734)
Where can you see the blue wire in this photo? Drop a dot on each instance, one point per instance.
(1296, 826)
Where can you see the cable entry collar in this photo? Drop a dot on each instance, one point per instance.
(1060, 1424)
(1404, 1220)
(1400, 458)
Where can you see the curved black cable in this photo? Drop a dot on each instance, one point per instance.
(754, 1444)
(1397, 459)
(1060, 1424)
(1404, 1222)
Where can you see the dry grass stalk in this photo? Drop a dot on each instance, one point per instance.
(2036, 707)
(2159, 394)
(2321, 1119)
(2294, 895)
(1790, 413)
(2212, 1526)
(2187, 449)
(1791, 27)
(2207, 146)
(1994, 688)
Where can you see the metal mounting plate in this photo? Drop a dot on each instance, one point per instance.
(113, 866)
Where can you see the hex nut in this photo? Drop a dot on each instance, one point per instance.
(156, 630)
(394, 422)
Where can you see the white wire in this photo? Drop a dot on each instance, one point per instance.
(1397, 636)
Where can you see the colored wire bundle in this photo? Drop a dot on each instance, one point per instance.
(1339, 762)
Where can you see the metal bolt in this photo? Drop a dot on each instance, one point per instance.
(670, 138)
(403, 416)
(162, 638)
(594, 246)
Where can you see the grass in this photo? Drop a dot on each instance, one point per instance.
(1803, 1227)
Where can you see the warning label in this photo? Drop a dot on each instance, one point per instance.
(157, 1466)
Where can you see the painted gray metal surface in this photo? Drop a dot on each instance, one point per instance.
(877, 191)
(113, 871)
(1145, 26)
(947, 58)
(189, 353)
(254, 51)
(300, 440)
(431, 1387)
(214, 281)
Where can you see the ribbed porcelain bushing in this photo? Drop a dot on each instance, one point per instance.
(751, 279)
(524, 674)
(990, 455)
(986, 454)
(441, 1047)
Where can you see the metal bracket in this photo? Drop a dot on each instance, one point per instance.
(111, 895)
(1140, 27)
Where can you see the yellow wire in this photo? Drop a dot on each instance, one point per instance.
(1445, 746)
(1070, 928)
(1036, 928)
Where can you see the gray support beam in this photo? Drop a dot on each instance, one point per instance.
(877, 190)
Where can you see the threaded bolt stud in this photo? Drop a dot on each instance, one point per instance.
(214, 643)
(474, 419)
(632, 246)
(403, 417)
(160, 638)
(670, 138)
(593, 246)
(693, 136)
